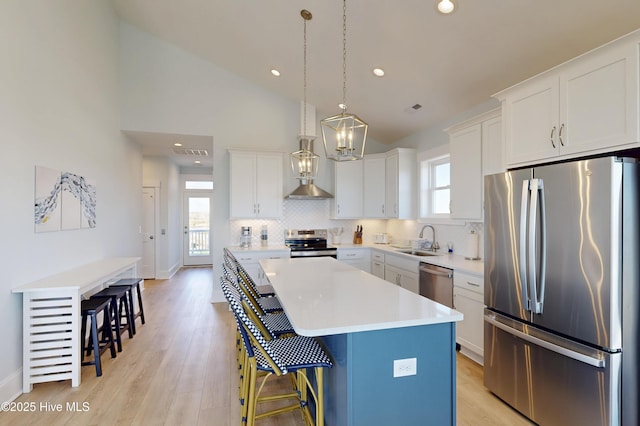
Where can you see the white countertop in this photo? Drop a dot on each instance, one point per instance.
(452, 261)
(82, 276)
(258, 248)
(322, 296)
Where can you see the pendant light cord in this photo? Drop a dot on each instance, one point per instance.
(304, 73)
(344, 55)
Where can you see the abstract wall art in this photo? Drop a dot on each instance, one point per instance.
(63, 201)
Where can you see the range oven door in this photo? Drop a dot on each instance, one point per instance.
(549, 379)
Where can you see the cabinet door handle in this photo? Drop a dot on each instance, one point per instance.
(338, 206)
(553, 130)
(258, 208)
(560, 134)
(473, 284)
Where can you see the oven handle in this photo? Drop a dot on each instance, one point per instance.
(314, 253)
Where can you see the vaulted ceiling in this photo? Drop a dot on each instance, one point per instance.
(446, 63)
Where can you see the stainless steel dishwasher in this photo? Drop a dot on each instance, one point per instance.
(436, 283)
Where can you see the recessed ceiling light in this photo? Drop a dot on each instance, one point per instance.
(197, 161)
(275, 72)
(379, 72)
(446, 6)
(177, 144)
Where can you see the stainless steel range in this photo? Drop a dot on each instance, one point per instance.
(309, 243)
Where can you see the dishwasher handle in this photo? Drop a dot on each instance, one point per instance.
(433, 272)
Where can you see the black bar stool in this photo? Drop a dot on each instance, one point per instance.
(90, 309)
(131, 284)
(119, 301)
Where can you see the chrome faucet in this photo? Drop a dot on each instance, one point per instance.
(433, 244)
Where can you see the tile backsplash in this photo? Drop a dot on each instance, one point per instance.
(312, 214)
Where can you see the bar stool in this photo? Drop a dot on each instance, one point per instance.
(131, 284)
(119, 299)
(90, 309)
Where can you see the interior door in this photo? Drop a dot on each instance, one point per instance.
(148, 230)
(197, 229)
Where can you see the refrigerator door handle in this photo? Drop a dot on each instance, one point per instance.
(596, 362)
(537, 193)
(543, 250)
(524, 287)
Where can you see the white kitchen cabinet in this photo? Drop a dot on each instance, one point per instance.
(468, 298)
(249, 260)
(348, 200)
(377, 264)
(586, 106)
(357, 257)
(375, 184)
(492, 145)
(255, 185)
(473, 144)
(400, 171)
(402, 271)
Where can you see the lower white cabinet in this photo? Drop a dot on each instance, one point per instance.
(402, 271)
(249, 261)
(468, 298)
(357, 257)
(377, 264)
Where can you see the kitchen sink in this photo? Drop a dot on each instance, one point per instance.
(419, 252)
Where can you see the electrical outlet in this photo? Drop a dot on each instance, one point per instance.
(405, 367)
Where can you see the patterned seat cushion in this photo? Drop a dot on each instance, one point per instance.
(294, 353)
(270, 304)
(277, 324)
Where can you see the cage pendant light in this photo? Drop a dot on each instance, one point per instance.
(344, 135)
(304, 162)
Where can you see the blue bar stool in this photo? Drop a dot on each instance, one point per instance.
(90, 309)
(131, 284)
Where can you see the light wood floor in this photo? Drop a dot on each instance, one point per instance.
(179, 369)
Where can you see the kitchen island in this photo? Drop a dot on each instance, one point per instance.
(373, 330)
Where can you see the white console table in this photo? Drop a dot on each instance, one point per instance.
(51, 319)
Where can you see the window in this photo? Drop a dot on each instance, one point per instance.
(435, 184)
(198, 184)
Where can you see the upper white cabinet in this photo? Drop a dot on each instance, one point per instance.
(348, 200)
(375, 185)
(475, 150)
(400, 179)
(586, 106)
(255, 189)
(381, 186)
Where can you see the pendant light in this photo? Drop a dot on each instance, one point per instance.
(304, 163)
(344, 135)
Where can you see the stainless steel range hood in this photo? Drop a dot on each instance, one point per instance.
(307, 189)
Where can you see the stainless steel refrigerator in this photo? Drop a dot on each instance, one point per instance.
(561, 291)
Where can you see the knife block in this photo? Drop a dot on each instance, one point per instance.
(357, 238)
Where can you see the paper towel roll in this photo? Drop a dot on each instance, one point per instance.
(472, 246)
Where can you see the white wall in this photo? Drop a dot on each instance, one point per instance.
(60, 109)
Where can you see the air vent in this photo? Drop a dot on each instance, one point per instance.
(412, 109)
(191, 152)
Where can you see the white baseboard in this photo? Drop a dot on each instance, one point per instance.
(479, 359)
(11, 387)
(168, 274)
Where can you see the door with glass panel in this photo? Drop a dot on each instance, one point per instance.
(197, 228)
